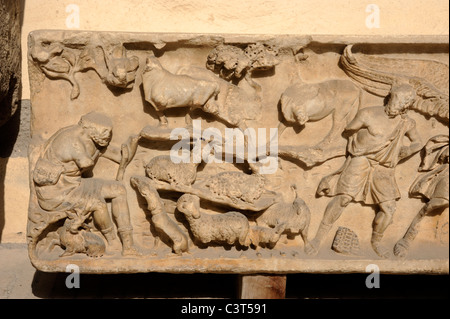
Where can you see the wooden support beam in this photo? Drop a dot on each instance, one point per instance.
(262, 287)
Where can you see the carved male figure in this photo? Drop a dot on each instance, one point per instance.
(368, 175)
(432, 185)
(60, 186)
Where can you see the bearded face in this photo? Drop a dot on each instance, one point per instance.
(101, 135)
(400, 100)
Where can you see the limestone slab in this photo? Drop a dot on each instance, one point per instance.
(362, 143)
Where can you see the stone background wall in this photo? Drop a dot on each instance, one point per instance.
(350, 17)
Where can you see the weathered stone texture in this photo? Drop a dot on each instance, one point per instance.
(362, 144)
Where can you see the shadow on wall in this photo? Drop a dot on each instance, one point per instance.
(9, 131)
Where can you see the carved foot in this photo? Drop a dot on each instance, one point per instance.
(113, 247)
(312, 247)
(380, 251)
(67, 253)
(401, 248)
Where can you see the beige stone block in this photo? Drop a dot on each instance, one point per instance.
(344, 110)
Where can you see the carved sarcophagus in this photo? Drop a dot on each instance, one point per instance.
(188, 153)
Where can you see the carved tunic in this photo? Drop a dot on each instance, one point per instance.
(368, 173)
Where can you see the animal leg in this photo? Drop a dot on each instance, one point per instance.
(162, 119)
(67, 252)
(188, 119)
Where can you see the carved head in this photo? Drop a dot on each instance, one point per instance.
(401, 97)
(98, 127)
(123, 73)
(152, 63)
(120, 73)
(301, 115)
(189, 205)
(298, 102)
(73, 222)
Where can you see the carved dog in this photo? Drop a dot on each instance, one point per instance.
(75, 240)
(164, 225)
(164, 90)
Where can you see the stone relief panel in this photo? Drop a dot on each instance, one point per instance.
(237, 154)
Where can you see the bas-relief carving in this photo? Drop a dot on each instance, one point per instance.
(431, 184)
(60, 62)
(355, 136)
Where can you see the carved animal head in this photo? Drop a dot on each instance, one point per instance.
(43, 54)
(152, 63)
(189, 205)
(299, 101)
(73, 222)
(232, 65)
(124, 71)
(120, 72)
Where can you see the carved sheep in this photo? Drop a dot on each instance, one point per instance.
(227, 228)
(265, 236)
(237, 186)
(162, 168)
